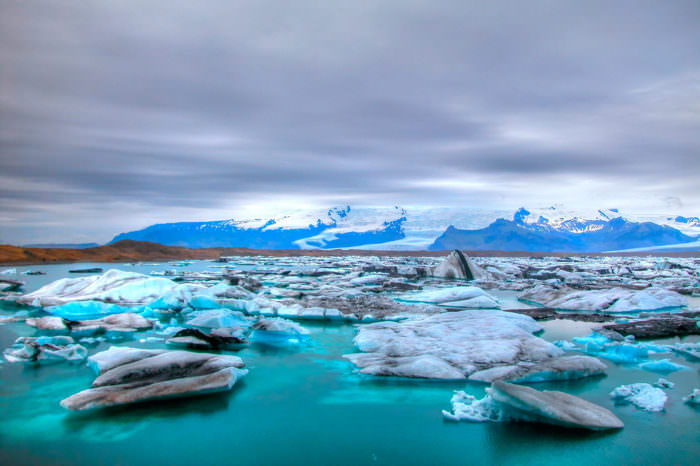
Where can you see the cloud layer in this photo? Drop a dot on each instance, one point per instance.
(115, 115)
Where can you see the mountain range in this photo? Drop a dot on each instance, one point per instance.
(547, 230)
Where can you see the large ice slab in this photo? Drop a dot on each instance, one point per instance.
(612, 300)
(114, 286)
(451, 345)
(509, 402)
(131, 375)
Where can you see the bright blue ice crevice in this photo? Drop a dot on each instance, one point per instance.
(84, 310)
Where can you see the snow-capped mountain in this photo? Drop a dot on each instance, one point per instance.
(338, 227)
(552, 228)
(605, 230)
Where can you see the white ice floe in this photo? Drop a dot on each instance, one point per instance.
(613, 300)
(509, 402)
(114, 286)
(460, 296)
(45, 350)
(451, 345)
(218, 318)
(642, 395)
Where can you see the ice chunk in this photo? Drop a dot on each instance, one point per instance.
(444, 295)
(509, 402)
(139, 375)
(218, 318)
(561, 368)
(203, 302)
(80, 310)
(114, 286)
(642, 395)
(693, 398)
(662, 365)
(467, 341)
(458, 265)
(613, 300)
(663, 383)
(278, 332)
(467, 408)
(45, 350)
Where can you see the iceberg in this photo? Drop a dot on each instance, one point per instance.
(155, 376)
(114, 286)
(458, 265)
(509, 402)
(663, 366)
(278, 332)
(642, 395)
(612, 300)
(218, 318)
(663, 383)
(560, 368)
(79, 310)
(460, 296)
(450, 345)
(693, 398)
(45, 350)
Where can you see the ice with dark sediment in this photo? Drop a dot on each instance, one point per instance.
(130, 375)
(509, 402)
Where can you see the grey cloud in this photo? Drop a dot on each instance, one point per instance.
(171, 106)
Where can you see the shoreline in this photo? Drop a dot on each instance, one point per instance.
(128, 251)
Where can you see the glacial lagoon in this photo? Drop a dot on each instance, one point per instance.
(306, 404)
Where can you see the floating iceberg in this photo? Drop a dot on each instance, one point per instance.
(45, 350)
(113, 326)
(509, 402)
(693, 398)
(642, 395)
(218, 318)
(450, 345)
(560, 368)
(80, 310)
(663, 383)
(460, 296)
(458, 265)
(612, 300)
(662, 365)
(219, 338)
(114, 286)
(278, 332)
(130, 375)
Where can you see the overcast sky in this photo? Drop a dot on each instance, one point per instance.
(115, 115)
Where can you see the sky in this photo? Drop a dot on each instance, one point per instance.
(117, 115)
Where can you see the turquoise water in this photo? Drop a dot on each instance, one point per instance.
(306, 406)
